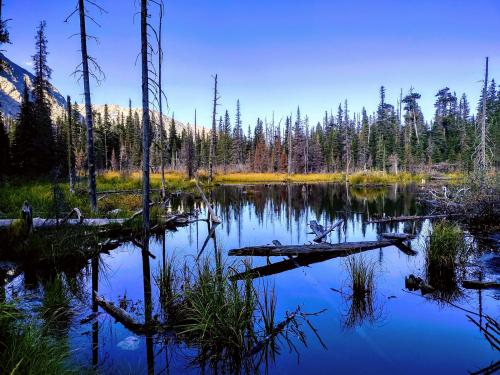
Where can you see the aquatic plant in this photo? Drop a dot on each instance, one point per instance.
(361, 273)
(25, 348)
(445, 252)
(361, 299)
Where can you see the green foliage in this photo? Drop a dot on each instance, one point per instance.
(25, 347)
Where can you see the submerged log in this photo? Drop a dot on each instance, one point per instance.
(120, 315)
(321, 248)
(406, 218)
(477, 284)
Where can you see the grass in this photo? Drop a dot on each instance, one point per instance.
(361, 277)
(25, 347)
(361, 178)
(446, 249)
(207, 309)
(361, 273)
(40, 193)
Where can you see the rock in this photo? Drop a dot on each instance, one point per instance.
(130, 343)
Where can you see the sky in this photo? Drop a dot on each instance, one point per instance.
(273, 55)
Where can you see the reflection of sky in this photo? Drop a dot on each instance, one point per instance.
(411, 336)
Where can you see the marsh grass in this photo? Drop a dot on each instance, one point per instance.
(209, 311)
(26, 348)
(361, 274)
(446, 252)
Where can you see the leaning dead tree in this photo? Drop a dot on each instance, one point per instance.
(71, 150)
(85, 72)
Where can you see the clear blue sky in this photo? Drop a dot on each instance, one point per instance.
(275, 55)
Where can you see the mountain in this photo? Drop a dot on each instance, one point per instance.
(12, 87)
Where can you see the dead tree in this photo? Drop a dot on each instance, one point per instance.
(481, 157)
(160, 102)
(211, 156)
(84, 70)
(71, 150)
(88, 108)
(145, 115)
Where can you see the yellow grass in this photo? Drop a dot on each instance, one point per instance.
(355, 178)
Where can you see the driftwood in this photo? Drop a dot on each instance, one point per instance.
(324, 248)
(120, 315)
(406, 218)
(213, 215)
(321, 232)
(476, 284)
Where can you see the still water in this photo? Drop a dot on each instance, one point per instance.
(400, 333)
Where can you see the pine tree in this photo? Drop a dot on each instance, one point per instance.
(42, 115)
(238, 137)
(4, 150)
(25, 145)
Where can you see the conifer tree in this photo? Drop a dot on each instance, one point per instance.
(41, 108)
(4, 149)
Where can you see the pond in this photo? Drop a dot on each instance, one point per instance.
(399, 331)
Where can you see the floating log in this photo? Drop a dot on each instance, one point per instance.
(477, 284)
(406, 218)
(321, 248)
(213, 215)
(397, 236)
(120, 315)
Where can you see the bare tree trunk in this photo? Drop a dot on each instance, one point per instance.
(71, 151)
(482, 160)
(290, 146)
(160, 98)
(88, 109)
(195, 151)
(211, 157)
(145, 117)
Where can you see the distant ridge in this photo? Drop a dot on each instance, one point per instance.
(11, 91)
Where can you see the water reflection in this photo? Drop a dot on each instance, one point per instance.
(257, 215)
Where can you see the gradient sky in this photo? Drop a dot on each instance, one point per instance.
(275, 55)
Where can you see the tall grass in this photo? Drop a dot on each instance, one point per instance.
(446, 251)
(25, 347)
(361, 282)
(210, 311)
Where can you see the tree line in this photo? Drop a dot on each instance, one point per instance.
(395, 138)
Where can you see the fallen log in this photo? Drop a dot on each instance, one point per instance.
(39, 223)
(120, 315)
(477, 284)
(397, 236)
(212, 213)
(407, 218)
(320, 248)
